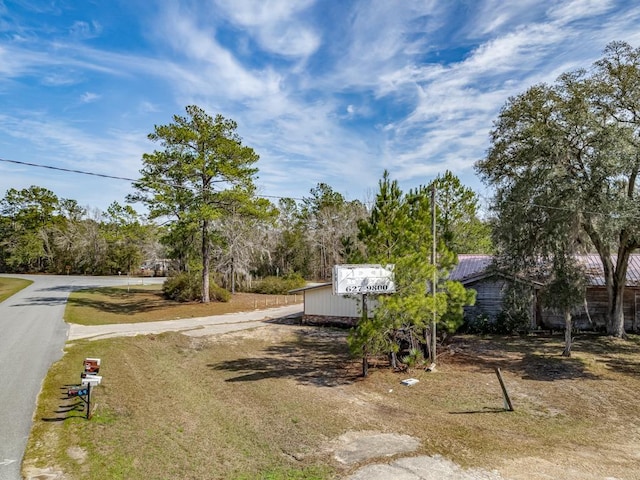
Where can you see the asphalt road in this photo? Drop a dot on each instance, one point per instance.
(32, 336)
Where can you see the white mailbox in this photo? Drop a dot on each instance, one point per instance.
(92, 380)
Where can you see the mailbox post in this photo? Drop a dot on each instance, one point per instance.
(88, 378)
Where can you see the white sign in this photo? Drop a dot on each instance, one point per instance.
(360, 279)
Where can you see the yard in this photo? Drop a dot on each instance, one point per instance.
(274, 402)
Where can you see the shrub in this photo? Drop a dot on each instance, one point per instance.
(413, 358)
(278, 285)
(187, 287)
(513, 322)
(515, 316)
(217, 293)
(482, 324)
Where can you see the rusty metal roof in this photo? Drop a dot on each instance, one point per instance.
(476, 265)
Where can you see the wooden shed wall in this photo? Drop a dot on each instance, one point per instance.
(597, 308)
(489, 302)
(488, 297)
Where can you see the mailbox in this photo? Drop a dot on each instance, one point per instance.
(92, 380)
(91, 366)
(77, 391)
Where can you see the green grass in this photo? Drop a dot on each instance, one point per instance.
(10, 286)
(170, 407)
(111, 305)
(270, 404)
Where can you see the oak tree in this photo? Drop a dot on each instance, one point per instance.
(573, 147)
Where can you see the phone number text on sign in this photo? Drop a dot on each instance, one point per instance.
(366, 288)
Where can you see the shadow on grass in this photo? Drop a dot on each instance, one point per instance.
(484, 410)
(315, 357)
(130, 307)
(70, 409)
(538, 357)
(533, 358)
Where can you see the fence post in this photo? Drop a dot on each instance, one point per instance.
(507, 401)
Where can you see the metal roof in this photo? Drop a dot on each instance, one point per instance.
(477, 265)
(470, 266)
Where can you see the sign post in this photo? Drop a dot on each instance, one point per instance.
(363, 280)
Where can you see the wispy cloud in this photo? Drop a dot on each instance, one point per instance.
(277, 25)
(89, 97)
(324, 91)
(85, 30)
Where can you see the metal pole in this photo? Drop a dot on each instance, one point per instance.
(88, 400)
(434, 279)
(365, 353)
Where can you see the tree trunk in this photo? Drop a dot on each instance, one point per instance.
(233, 277)
(615, 325)
(205, 262)
(427, 344)
(365, 363)
(614, 280)
(567, 333)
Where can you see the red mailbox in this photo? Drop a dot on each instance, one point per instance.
(91, 366)
(77, 391)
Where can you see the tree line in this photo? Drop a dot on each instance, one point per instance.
(563, 161)
(43, 233)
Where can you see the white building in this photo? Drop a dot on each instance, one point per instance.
(323, 307)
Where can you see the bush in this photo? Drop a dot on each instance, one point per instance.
(413, 358)
(513, 322)
(187, 287)
(217, 293)
(482, 324)
(278, 285)
(515, 316)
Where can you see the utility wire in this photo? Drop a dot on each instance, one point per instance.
(488, 200)
(564, 209)
(82, 172)
(103, 175)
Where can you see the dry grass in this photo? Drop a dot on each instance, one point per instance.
(101, 306)
(269, 403)
(10, 286)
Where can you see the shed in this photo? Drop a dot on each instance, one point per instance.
(322, 307)
(476, 271)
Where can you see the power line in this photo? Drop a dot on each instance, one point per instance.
(81, 172)
(103, 175)
(553, 207)
(372, 202)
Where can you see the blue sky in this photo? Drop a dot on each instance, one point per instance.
(331, 91)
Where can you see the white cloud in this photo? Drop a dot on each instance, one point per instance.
(148, 107)
(438, 71)
(569, 11)
(208, 67)
(89, 97)
(276, 24)
(107, 152)
(495, 17)
(84, 30)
